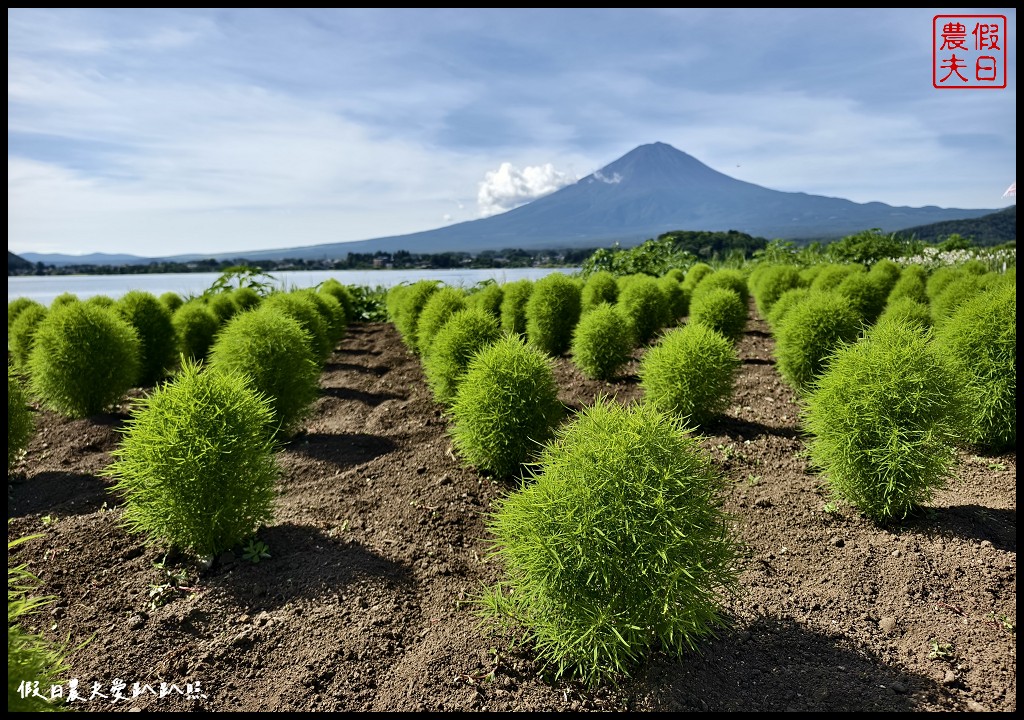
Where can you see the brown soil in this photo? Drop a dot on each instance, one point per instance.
(379, 541)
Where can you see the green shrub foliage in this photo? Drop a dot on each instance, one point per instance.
(300, 306)
(619, 546)
(152, 322)
(19, 418)
(884, 420)
(467, 332)
(172, 301)
(772, 282)
(343, 294)
(17, 306)
(332, 313)
(488, 296)
(886, 273)
(809, 333)
(982, 336)
(600, 287)
(552, 313)
(728, 278)
(31, 658)
(865, 294)
(830, 275)
(195, 326)
(513, 306)
(84, 359)
(506, 406)
(602, 342)
(196, 467)
(695, 274)
(222, 304)
(644, 306)
(21, 336)
(690, 373)
(439, 308)
(272, 350)
(676, 296)
(405, 307)
(785, 302)
(912, 283)
(720, 309)
(246, 298)
(64, 298)
(954, 294)
(104, 301)
(907, 310)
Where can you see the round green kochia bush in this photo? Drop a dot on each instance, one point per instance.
(343, 294)
(617, 547)
(19, 419)
(886, 273)
(552, 313)
(954, 294)
(728, 278)
(599, 287)
(246, 298)
(84, 359)
(677, 298)
(195, 326)
(172, 301)
(152, 322)
(196, 467)
(21, 336)
(506, 406)
(785, 302)
(17, 306)
(644, 307)
(907, 310)
(273, 352)
(695, 274)
(865, 294)
(830, 275)
(104, 301)
(332, 313)
(809, 333)
(513, 305)
(771, 283)
(884, 420)
(912, 284)
(487, 296)
(222, 305)
(940, 277)
(721, 309)
(602, 342)
(299, 306)
(405, 308)
(690, 373)
(466, 333)
(982, 337)
(65, 298)
(439, 308)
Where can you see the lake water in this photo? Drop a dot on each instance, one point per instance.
(45, 288)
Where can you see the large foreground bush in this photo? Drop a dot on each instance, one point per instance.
(84, 359)
(617, 546)
(885, 419)
(506, 406)
(196, 467)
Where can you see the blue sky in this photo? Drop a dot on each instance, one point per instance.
(168, 131)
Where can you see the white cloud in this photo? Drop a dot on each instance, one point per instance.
(509, 187)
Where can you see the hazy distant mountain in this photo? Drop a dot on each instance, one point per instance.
(650, 190)
(994, 229)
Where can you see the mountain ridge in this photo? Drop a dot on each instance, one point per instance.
(652, 189)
